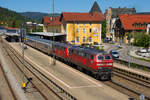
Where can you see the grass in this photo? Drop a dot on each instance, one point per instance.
(134, 65)
(144, 59)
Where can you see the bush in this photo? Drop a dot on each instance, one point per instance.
(142, 39)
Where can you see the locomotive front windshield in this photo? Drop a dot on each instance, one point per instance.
(106, 57)
(100, 58)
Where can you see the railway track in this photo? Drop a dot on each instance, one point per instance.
(41, 83)
(130, 85)
(12, 95)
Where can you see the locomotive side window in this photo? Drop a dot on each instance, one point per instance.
(107, 57)
(100, 58)
(82, 54)
(92, 57)
(86, 55)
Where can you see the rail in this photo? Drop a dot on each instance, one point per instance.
(8, 83)
(58, 88)
(133, 65)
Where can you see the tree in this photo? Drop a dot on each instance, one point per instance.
(104, 24)
(142, 39)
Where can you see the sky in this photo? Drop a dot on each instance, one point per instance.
(72, 5)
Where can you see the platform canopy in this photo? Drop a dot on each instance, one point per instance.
(50, 34)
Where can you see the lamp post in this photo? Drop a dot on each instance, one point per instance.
(23, 33)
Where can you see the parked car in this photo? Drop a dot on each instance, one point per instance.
(148, 49)
(114, 54)
(106, 40)
(96, 44)
(143, 50)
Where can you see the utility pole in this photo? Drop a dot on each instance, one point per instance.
(129, 52)
(54, 61)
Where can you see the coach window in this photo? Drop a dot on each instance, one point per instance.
(46, 46)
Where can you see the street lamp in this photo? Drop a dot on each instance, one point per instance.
(23, 33)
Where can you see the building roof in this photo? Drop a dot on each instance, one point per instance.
(145, 13)
(117, 11)
(95, 8)
(82, 17)
(49, 21)
(134, 21)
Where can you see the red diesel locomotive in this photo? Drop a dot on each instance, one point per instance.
(97, 62)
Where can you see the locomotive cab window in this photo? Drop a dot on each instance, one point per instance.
(100, 58)
(92, 57)
(107, 57)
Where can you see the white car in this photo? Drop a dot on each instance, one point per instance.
(143, 50)
(148, 50)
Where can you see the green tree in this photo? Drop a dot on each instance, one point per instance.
(142, 39)
(104, 24)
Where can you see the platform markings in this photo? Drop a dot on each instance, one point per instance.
(47, 72)
(89, 86)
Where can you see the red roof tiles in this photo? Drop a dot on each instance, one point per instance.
(90, 17)
(134, 21)
(50, 22)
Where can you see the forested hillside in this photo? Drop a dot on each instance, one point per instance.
(11, 18)
(37, 16)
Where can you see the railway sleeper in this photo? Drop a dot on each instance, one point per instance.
(131, 74)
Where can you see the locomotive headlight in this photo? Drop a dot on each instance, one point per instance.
(109, 64)
(100, 64)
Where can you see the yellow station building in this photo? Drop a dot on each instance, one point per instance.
(83, 28)
(79, 28)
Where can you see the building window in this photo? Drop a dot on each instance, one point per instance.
(83, 24)
(77, 39)
(83, 39)
(90, 30)
(77, 30)
(90, 23)
(95, 30)
(90, 39)
(83, 30)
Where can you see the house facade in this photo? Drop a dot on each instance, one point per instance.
(130, 23)
(111, 15)
(83, 28)
(51, 24)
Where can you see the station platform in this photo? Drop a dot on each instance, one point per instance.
(133, 70)
(78, 84)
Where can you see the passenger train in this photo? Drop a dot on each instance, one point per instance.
(96, 62)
